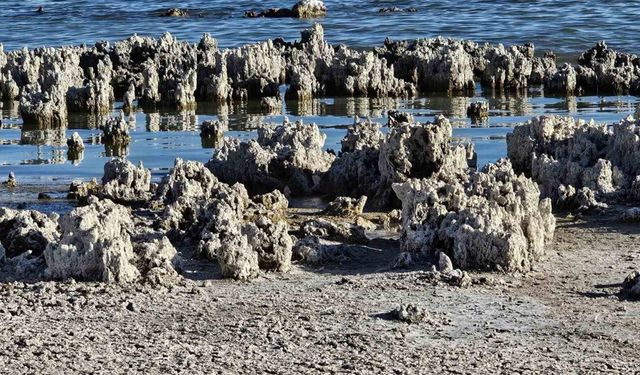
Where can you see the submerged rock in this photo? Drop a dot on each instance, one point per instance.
(397, 10)
(493, 219)
(11, 182)
(75, 143)
(302, 9)
(116, 131)
(478, 110)
(212, 133)
(309, 9)
(175, 12)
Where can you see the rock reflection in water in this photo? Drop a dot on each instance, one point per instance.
(182, 121)
(116, 149)
(46, 155)
(75, 157)
(32, 135)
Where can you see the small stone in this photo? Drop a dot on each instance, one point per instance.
(44, 196)
(444, 263)
(11, 182)
(132, 307)
(410, 313)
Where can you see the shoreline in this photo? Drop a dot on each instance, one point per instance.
(393, 251)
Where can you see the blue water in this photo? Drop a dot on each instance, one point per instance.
(566, 26)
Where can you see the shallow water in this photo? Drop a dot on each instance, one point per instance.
(39, 157)
(568, 26)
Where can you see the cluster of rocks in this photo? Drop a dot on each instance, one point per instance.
(371, 162)
(579, 164)
(89, 243)
(241, 234)
(122, 182)
(491, 219)
(441, 64)
(51, 82)
(289, 158)
(302, 9)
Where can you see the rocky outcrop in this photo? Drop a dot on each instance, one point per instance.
(26, 230)
(565, 156)
(370, 162)
(156, 259)
(493, 219)
(96, 95)
(289, 158)
(123, 182)
(355, 172)
(49, 82)
(421, 150)
(608, 70)
(243, 236)
(43, 110)
(346, 207)
(95, 245)
(116, 131)
(302, 9)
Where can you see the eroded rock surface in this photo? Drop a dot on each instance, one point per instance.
(346, 207)
(124, 182)
(568, 156)
(95, 244)
(241, 235)
(493, 219)
(26, 230)
(289, 157)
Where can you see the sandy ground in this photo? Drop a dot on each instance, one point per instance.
(564, 317)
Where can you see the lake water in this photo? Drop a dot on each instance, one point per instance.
(566, 26)
(39, 158)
